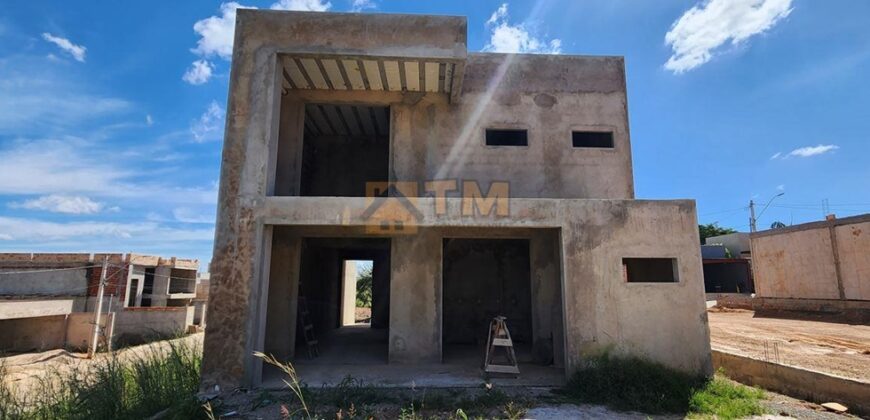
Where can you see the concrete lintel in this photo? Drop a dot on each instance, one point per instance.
(523, 212)
(369, 34)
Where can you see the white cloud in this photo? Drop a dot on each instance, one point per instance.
(189, 215)
(6, 237)
(148, 120)
(812, 150)
(57, 203)
(216, 32)
(698, 33)
(76, 51)
(780, 187)
(34, 98)
(56, 167)
(807, 151)
(31, 230)
(507, 38)
(210, 124)
(74, 166)
(360, 5)
(199, 72)
(304, 5)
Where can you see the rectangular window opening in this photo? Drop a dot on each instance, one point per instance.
(507, 137)
(650, 270)
(593, 139)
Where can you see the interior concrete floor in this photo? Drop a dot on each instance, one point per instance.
(357, 344)
(356, 350)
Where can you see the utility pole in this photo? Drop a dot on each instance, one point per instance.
(751, 216)
(99, 310)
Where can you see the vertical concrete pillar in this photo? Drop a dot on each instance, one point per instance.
(348, 293)
(546, 292)
(140, 287)
(280, 338)
(415, 298)
(161, 285)
(579, 286)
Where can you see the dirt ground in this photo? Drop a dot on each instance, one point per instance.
(23, 371)
(836, 348)
(363, 314)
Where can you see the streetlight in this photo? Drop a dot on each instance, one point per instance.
(752, 218)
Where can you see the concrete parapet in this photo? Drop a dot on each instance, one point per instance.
(796, 382)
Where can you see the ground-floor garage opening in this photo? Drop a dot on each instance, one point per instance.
(485, 278)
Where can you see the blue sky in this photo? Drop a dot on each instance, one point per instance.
(111, 113)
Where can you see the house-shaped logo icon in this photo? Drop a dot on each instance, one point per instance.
(390, 211)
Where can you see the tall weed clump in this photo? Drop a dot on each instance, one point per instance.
(157, 381)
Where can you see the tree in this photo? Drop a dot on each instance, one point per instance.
(712, 229)
(777, 225)
(364, 288)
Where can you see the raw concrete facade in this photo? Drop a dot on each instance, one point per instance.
(321, 103)
(827, 260)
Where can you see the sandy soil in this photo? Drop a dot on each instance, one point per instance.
(838, 349)
(363, 314)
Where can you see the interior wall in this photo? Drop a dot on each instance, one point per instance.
(485, 278)
(341, 165)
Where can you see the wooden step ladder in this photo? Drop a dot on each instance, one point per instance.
(303, 316)
(500, 337)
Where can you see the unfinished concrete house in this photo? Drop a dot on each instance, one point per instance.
(476, 184)
(48, 301)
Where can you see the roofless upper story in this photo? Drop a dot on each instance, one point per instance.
(376, 97)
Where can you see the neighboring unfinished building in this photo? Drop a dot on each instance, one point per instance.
(477, 184)
(48, 301)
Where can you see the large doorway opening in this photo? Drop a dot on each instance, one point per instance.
(330, 276)
(482, 279)
(344, 147)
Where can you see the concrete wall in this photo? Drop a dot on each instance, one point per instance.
(737, 243)
(70, 282)
(134, 325)
(32, 334)
(80, 329)
(73, 331)
(796, 382)
(821, 260)
(547, 95)
(28, 308)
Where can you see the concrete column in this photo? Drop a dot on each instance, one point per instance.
(348, 293)
(578, 294)
(161, 285)
(415, 298)
(280, 339)
(546, 293)
(140, 286)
